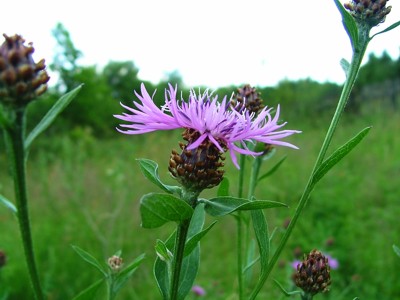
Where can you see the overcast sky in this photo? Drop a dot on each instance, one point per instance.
(210, 42)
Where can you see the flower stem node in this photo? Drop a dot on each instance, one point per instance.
(372, 12)
(21, 79)
(199, 168)
(313, 274)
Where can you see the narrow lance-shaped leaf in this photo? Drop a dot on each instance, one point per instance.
(90, 292)
(158, 209)
(222, 206)
(126, 273)
(150, 171)
(7, 203)
(349, 24)
(260, 227)
(51, 115)
(90, 259)
(387, 29)
(338, 155)
(194, 240)
(273, 169)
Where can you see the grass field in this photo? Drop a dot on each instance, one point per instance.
(86, 192)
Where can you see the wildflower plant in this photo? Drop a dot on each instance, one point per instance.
(244, 127)
(210, 128)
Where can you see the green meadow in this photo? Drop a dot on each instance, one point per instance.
(85, 191)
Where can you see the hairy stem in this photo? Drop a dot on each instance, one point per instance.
(15, 141)
(180, 241)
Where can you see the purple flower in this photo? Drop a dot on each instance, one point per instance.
(333, 262)
(226, 128)
(198, 290)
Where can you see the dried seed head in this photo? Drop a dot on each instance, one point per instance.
(115, 263)
(313, 274)
(247, 97)
(21, 79)
(199, 168)
(371, 12)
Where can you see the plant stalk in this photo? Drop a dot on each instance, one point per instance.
(180, 241)
(15, 141)
(348, 85)
(239, 229)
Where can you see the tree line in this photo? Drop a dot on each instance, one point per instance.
(104, 89)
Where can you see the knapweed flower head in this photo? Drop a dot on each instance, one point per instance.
(371, 12)
(21, 79)
(206, 119)
(313, 273)
(247, 97)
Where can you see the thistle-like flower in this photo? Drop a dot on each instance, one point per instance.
(371, 12)
(21, 79)
(208, 121)
(249, 98)
(313, 274)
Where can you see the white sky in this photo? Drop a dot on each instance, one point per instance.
(210, 42)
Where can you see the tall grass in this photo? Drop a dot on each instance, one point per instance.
(86, 192)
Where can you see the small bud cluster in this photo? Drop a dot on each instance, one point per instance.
(199, 168)
(21, 79)
(371, 11)
(115, 262)
(313, 274)
(248, 98)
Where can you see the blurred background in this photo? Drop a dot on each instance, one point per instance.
(85, 184)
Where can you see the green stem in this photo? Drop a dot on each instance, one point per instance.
(351, 77)
(239, 229)
(255, 171)
(180, 241)
(15, 140)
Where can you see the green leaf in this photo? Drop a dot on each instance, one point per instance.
(345, 66)
(161, 272)
(163, 252)
(387, 29)
(260, 227)
(194, 240)
(336, 156)
(285, 291)
(222, 206)
(90, 259)
(396, 250)
(273, 169)
(150, 171)
(349, 24)
(223, 188)
(123, 276)
(158, 209)
(90, 292)
(190, 263)
(7, 203)
(51, 115)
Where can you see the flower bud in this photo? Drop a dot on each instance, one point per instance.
(21, 79)
(199, 168)
(247, 97)
(115, 263)
(313, 274)
(371, 12)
